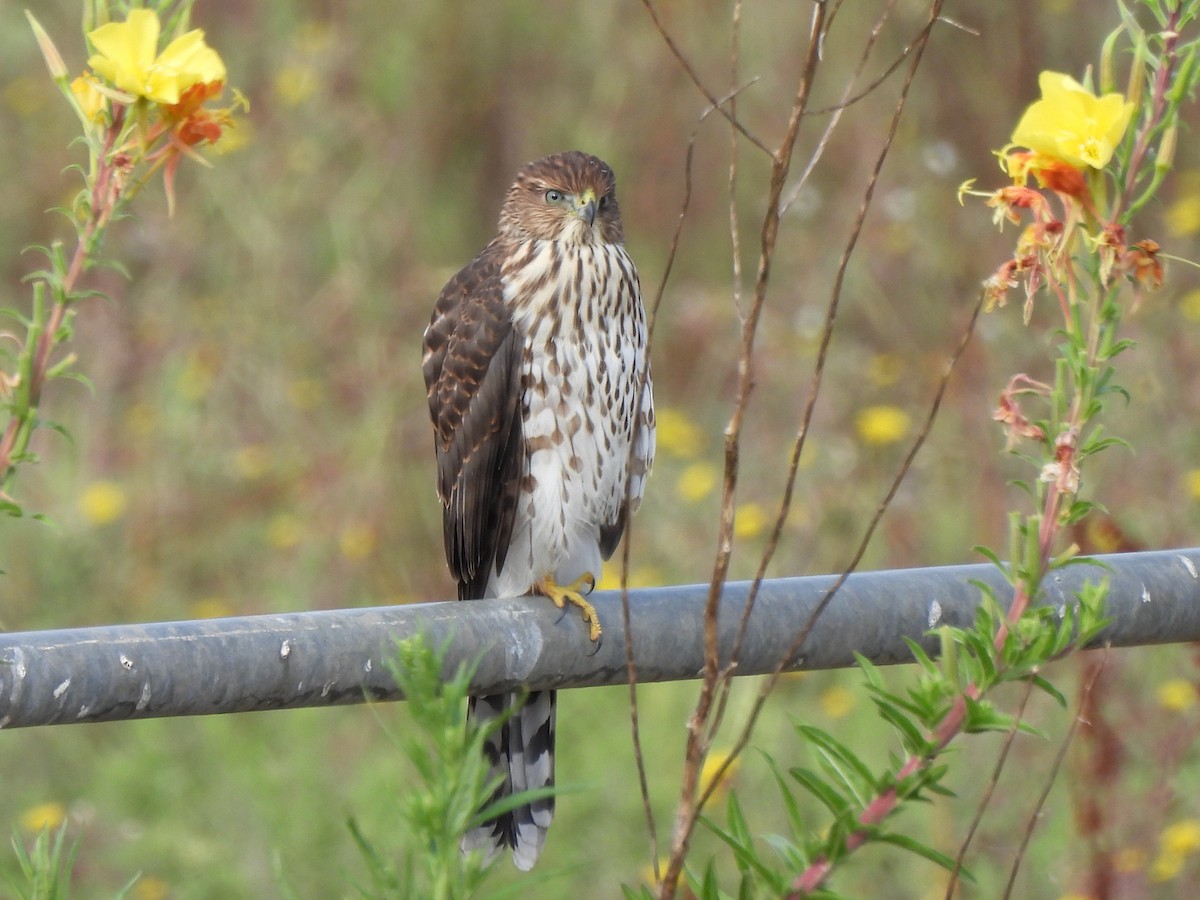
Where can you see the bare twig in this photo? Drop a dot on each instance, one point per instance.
(700, 86)
(1036, 813)
(837, 110)
(810, 406)
(697, 742)
(982, 806)
(625, 557)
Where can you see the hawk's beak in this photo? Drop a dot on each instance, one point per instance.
(586, 206)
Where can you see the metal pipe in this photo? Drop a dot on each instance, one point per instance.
(340, 656)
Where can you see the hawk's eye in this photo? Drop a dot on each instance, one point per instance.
(554, 196)
(603, 201)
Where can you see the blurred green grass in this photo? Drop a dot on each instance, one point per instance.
(258, 411)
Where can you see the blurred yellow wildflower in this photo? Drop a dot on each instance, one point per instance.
(1192, 480)
(305, 393)
(1176, 694)
(677, 435)
(697, 481)
(284, 531)
(91, 102)
(199, 372)
(252, 461)
(750, 520)
(1129, 859)
(639, 576)
(712, 771)
(24, 95)
(102, 502)
(295, 83)
(48, 816)
(837, 701)
(1178, 841)
(210, 608)
(1190, 305)
(1072, 124)
(141, 419)
(882, 425)
(127, 55)
(885, 369)
(647, 873)
(150, 887)
(1183, 216)
(357, 541)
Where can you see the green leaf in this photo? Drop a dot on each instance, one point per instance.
(922, 850)
(822, 790)
(790, 806)
(840, 751)
(1046, 687)
(912, 737)
(990, 555)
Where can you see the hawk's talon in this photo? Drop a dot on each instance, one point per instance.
(561, 595)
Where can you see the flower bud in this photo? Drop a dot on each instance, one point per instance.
(54, 61)
(1137, 72)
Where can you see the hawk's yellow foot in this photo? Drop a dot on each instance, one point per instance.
(560, 595)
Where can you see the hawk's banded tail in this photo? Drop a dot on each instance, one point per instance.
(522, 752)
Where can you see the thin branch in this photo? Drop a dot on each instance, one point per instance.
(814, 393)
(1036, 813)
(652, 317)
(687, 811)
(831, 126)
(982, 806)
(695, 77)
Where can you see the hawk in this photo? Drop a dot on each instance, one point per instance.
(538, 380)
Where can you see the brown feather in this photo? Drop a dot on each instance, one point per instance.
(472, 376)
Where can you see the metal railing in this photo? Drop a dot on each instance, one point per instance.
(338, 656)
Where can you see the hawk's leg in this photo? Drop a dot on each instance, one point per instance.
(560, 595)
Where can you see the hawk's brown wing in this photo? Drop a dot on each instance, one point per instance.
(472, 367)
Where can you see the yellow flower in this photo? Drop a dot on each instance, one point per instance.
(102, 502)
(1183, 216)
(1190, 305)
(1192, 480)
(210, 608)
(749, 521)
(1129, 859)
(885, 369)
(357, 541)
(149, 887)
(712, 769)
(837, 701)
(252, 461)
(127, 56)
(1178, 841)
(305, 393)
(46, 816)
(295, 83)
(697, 481)
(676, 434)
(639, 577)
(1072, 124)
(1176, 694)
(881, 425)
(284, 531)
(87, 95)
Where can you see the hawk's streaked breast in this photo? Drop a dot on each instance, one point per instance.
(578, 309)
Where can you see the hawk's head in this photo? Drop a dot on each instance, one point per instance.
(568, 197)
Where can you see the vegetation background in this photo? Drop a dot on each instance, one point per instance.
(257, 438)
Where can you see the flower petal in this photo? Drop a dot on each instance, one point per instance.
(125, 50)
